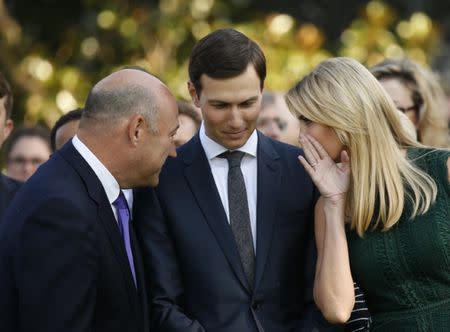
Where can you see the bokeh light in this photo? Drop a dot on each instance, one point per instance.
(90, 47)
(106, 19)
(66, 101)
(53, 73)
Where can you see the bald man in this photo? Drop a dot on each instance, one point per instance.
(68, 254)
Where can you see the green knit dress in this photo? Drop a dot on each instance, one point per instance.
(405, 272)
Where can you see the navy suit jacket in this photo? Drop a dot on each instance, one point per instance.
(63, 265)
(8, 188)
(196, 276)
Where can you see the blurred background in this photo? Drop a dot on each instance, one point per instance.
(52, 51)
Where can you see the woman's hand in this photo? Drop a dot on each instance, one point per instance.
(330, 178)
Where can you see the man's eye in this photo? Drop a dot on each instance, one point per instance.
(247, 104)
(220, 106)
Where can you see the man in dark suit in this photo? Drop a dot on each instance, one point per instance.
(68, 254)
(8, 186)
(227, 242)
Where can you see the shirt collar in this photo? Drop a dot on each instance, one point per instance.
(107, 180)
(214, 149)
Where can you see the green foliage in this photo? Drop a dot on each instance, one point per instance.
(53, 63)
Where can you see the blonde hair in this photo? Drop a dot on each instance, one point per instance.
(342, 94)
(407, 125)
(426, 93)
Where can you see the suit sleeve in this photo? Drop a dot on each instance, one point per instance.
(161, 268)
(312, 319)
(55, 268)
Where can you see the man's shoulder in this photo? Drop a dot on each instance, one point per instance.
(8, 184)
(186, 154)
(281, 146)
(54, 181)
(283, 151)
(52, 195)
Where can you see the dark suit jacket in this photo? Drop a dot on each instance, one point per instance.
(8, 188)
(63, 265)
(198, 283)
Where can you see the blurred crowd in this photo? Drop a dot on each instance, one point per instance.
(415, 90)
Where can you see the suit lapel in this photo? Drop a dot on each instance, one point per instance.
(105, 213)
(110, 224)
(139, 269)
(201, 181)
(269, 179)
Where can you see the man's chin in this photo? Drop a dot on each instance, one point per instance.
(154, 181)
(235, 144)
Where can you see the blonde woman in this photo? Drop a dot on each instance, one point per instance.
(416, 92)
(384, 212)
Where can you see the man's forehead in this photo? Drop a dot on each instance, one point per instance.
(228, 91)
(248, 77)
(233, 98)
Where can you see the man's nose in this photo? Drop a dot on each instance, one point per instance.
(235, 118)
(173, 151)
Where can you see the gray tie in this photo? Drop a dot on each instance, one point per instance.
(239, 214)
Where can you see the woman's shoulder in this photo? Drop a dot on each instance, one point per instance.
(428, 155)
(434, 161)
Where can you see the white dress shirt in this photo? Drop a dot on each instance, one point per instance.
(107, 180)
(219, 169)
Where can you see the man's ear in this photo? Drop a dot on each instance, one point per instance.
(193, 93)
(9, 126)
(136, 128)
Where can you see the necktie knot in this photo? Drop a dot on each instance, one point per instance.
(234, 158)
(121, 202)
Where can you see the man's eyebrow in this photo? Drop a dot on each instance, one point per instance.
(250, 99)
(218, 101)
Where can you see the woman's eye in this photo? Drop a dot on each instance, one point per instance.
(303, 119)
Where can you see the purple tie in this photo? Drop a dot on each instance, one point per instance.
(123, 218)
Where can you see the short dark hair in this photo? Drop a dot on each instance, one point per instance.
(17, 134)
(109, 104)
(5, 91)
(187, 109)
(66, 118)
(225, 53)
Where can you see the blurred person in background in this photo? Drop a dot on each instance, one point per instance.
(65, 128)
(384, 212)
(189, 119)
(6, 106)
(25, 150)
(417, 93)
(290, 134)
(8, 186)
(269, 121)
